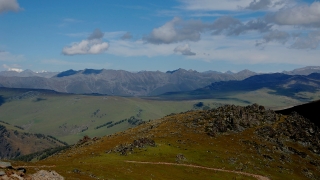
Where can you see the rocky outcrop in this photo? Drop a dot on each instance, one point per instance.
(234, 118)
(124, 149)
(46, 175)
(269, 125)
(294, 128)
(7, 172)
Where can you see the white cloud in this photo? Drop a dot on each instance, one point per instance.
(300, 15)
(232, 5)
(113, 35)
(10, 68)
(9, 5)
(126, 36)
(311, 41)
(71, 20)
(7, 56)
(276, 36)
(139, 48)
(213, 5)
(184, 50)
(267, 4)
(176, 30)
(237, 50)
(92, 45)
(242, 51)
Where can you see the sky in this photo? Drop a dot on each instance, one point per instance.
(144, 35)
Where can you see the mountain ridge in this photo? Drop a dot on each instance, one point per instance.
(119, 82)
(279, 83)
(124, 83)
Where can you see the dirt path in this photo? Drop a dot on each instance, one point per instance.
(259, 177)
(44, 166)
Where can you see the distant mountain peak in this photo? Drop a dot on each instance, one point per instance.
(28, 70)
(92, 71)
(177, 70)
(304, 71)
(69, 72)
(229, 72)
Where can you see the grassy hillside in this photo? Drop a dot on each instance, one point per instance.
(189, 145)
(15, 142)
(70, 117)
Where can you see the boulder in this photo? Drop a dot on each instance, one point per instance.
(2, 173)
(5, 165)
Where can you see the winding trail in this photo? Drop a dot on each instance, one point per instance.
(44, 166)
(259, 177)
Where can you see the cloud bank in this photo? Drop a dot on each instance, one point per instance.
(176, 30)
(184, 50)
(301, 15)
(92, 45)
(9, 68)
(126, 36)
(9, 5)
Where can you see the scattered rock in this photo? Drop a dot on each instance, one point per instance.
(2, 173)
(297, 129)
(307, 173)
(180, 158)
(46, 175)
(234, 118)
(22, 169)
(315, 162)
(5, 165)
(76, 171)
(267, 157)
(84, 140)
(123, 149)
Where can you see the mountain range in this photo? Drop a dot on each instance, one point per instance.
(280, 84)
(124, 83)
(121, 83)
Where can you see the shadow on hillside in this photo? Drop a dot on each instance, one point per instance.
(2, 101)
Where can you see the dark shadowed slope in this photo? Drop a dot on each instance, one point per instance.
(280, 84)
(309, 111)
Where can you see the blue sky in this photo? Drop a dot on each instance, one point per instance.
(259, 35)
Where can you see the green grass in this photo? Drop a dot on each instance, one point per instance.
(65, 116)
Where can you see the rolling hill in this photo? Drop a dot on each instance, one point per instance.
(15, 142)
(69, 116)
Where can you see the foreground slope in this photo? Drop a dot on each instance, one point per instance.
(308, 110)
(213, 144)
